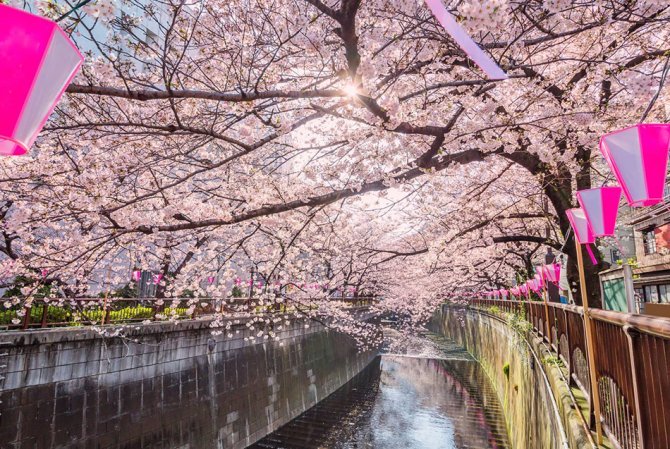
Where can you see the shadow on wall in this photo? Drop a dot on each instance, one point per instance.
(518, 382)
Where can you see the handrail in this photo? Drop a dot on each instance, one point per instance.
(651, 325)
(648, 324)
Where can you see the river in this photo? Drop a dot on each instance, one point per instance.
(423, 392)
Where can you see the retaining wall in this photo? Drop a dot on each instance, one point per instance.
(164, 385)
(518, 369)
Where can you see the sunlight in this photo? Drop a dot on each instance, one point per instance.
(351, 90)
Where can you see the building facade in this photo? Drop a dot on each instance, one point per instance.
(649, 230)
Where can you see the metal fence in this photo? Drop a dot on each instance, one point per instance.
(97, 311)
(632, 365)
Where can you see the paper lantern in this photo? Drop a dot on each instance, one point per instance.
(137, 275)
(37, 62)
(580, 226)
(539, 281)
(504, 293)
(638, 157)
(553, 272)
(600, 207)
(157, 278)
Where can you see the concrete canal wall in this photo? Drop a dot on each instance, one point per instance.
(164, 385)
(538, 409)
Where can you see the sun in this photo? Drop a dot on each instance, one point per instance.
(351, 90)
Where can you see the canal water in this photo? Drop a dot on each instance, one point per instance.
(421, 393)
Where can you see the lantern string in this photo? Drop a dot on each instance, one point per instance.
(565, 241)
(74, 8)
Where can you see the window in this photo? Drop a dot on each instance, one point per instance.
(651, 293)
(639, 295)
(649, 239)
(664, 293)
(615, 254)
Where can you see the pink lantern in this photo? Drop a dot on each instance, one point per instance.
(37, 62)
(553, 272)
(523, 288)
(137, 275)
(44, 273)
(157, 278)
(504, 293)
(580, 226)
(539, 281)
(638, 157)
(600, 207)
(210, 280)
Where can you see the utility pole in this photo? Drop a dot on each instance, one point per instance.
(251, 282)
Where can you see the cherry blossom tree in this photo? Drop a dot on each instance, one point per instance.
(342, 143)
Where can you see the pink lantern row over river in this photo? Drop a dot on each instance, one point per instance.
(37, 61)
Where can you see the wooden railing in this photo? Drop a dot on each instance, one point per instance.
(97, 311)
(632, 365)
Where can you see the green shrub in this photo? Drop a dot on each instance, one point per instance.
(55, 314)
(518, 322)
(552, 359)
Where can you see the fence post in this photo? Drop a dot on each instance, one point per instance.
(567, 338)
(590, 344)
(628, 286)
(632, 333)
(26, 318)
(45, 311)
(105, 319)
(546, 315)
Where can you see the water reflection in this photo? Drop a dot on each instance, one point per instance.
(403, 402)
